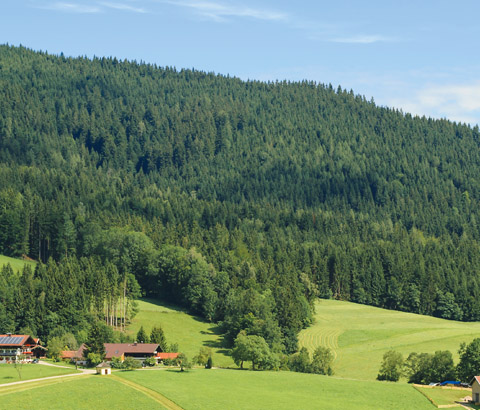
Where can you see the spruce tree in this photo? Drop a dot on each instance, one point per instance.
(158, 336)
(142, 336)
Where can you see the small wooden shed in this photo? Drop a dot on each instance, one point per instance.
(104, 369)
(476, 389)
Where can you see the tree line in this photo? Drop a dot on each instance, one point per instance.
(426, 368)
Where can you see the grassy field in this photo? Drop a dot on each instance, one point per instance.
(190, 332)
(16, 264)
(9, 374)
(242, 390)
(443, 396)
(82, 392)
(359, 335)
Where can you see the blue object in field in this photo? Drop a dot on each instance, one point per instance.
(449, 382)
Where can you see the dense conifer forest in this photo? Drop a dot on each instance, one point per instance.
(240, 200)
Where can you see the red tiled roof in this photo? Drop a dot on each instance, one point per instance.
(163, 355)
(117, 349)
(477, 378)
(68, 354)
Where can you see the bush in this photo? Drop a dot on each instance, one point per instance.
(116, 363)
(203, 355)
(209, 364)
(391, 368)
(150, 361)
(93, 359)
(183, 362)
(322, 361)
(130, 363)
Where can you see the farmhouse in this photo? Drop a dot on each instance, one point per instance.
(74, 355)
(14, 347)
(476, 389)
(139, 351)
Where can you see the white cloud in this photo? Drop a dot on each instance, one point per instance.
(362, 39)
(124, 7)
(72, 8)
(219, 12)
(455, 102)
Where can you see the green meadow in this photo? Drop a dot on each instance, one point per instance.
(359, 335)
(444, 396)
(190, 332)
(82, 392)
(16, 264)
(236, 389)
(9, 374)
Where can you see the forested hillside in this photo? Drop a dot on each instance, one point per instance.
(241, 200)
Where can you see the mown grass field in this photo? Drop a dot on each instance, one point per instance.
(9, 374)
(443, 396)
(81, 392)
(243, 390)
(16, 264)
(190, 332)
(359, 335)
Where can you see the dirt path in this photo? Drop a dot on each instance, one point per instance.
(83, 372)
(159, 398)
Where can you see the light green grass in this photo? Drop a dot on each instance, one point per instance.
(442, 396)
(82, 392)
(9, 374)
(359, 335)
(243, 390)
(16, 264)
(190, 332)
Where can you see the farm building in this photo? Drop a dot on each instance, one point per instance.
(166, 356)
(74, 355)
(13, 347)
(476, 389)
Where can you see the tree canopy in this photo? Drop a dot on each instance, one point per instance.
(207, 190)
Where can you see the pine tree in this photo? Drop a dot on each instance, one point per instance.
(142, 336)
(158, 336)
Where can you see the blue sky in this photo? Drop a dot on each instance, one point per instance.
(421, 56)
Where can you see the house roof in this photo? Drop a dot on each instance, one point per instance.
(475, 378)
(104, 365)
(117, 349)
(16, 340)
(163, 355)
(68, 354)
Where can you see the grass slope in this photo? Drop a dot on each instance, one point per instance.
(190, 332)
(360, 335)
(236, 389)
(83, 392)
(16, 264)
(9, 374)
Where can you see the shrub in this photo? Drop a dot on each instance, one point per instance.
(391, 368)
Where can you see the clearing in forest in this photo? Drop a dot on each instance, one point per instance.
(16, 264)
(189, 332)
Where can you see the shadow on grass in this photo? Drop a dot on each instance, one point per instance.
(165, 304)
